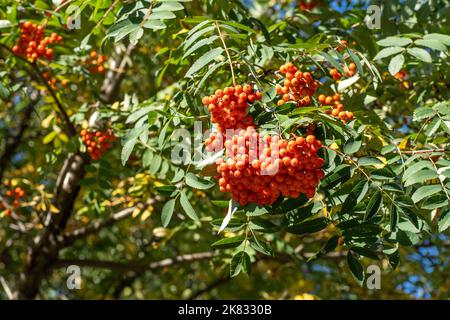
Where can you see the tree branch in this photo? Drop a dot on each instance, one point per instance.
(68, 239)
(133, 266)
(45, 250)
(13, 142)
(209, 287)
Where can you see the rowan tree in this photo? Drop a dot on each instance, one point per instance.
(224, 149)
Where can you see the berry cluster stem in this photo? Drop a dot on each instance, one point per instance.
(227, 52)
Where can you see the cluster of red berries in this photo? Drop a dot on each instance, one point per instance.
(350, 71)
(338, 107)
(32, 43)
(96, 62)
(342, 45)
(97, 142)
(298, 86)
(14, 196)
(258, 169)
(401, 75)
(228, 107)
(52, 81)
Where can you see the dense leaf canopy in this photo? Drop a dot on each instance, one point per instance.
(103, 166)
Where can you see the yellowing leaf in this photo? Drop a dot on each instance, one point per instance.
(305, 296)
(53, 209)
(46, 122)
(404, 143)
(115, 105)
(381, 165)
(145, 215)
(136, 212)
(334, 146)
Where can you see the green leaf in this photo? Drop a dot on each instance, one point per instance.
(355, 196)
(340, 174)
(200, 44)
(432, 44)
(156, 164)
(374, 205)
(169, 6)
(352, 145)
(369, 161)
(227, 243)
(432, 127)
(220, 203)
(365, 252)
(232, 226)
(121, 29)
(138, 114)
(423, 113)
(386, 52)
(444, 38)
(444, 221)
(190, 40)
(166, 190)
(344, 84)
(420, 177)
(161, 15)
(49, 137)
(383, 174)
(356, 268)
(333, 62)
(154, 25)
(420, 54)
(240, 262)
(204, 60)
(424, 192)
(396, 63)
(197, 182)
(127, 149)
(407, 238)
(239, 26)
(187, 207)
(394, 41)
(167, 212)
(310, 226)
(394, 218)
(417, 166)
(253, 210)
(262, 247)
(262, 225)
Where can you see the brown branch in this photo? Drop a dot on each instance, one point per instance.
(209, 287)
(44, 252)
(13, 142)
(70, 126)
(412, 152)
(114, 79)
(69, 239)
(133, 266)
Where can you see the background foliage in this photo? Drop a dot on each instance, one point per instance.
(142, 226)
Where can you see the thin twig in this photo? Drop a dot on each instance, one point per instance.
(227, 52)
(133, 266)
(6, 288)
(412, 152)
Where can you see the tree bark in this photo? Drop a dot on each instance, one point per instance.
(45, 249)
